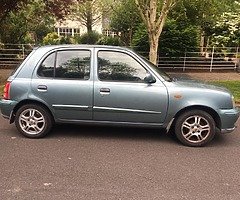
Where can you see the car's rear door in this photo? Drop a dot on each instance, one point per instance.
(63, 81)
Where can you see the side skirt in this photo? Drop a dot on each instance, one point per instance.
(110, 123)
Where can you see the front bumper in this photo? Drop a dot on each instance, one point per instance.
(6, 107)
(228, 119)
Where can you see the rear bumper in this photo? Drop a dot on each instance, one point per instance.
(228, 119)
(6, 107)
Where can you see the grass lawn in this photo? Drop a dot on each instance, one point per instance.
(233, 86)
(1, 90)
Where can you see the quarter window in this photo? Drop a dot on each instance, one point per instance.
(118, 66)
(46, 69)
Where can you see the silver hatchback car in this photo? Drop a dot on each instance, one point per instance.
(111, 86)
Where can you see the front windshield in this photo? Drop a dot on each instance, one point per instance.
(163, 74)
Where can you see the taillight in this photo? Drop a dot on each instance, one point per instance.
(6, 91)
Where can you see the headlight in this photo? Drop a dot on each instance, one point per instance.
(233, 102)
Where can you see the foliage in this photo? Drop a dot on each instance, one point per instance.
(30, 24)
(51, 38)
(59, 8)
(227, 29)
(154, 14)
(1, 90)
(125, 19)
(106, 40)
(204, 14)
(6, 6)
(176, 38)
(90, 12)
(89, 38)
(140, 39)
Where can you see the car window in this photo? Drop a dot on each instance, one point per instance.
(118, 66)
(46, 69)
(72, 64)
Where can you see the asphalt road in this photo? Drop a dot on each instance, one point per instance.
(82, 162)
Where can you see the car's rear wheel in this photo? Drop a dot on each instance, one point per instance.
(195, 128)
(33, 121)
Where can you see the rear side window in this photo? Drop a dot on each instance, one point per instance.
(69, 64)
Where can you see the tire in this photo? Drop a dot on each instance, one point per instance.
(33, 121)
(195, 128)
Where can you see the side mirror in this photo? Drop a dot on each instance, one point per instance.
(149, 79)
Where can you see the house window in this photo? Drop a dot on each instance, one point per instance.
(67, 31)
(109, 33)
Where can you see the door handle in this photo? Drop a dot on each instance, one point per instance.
(42, 88)
(104, 91)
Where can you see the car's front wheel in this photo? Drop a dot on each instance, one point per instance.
(195, 128)
(33, 121)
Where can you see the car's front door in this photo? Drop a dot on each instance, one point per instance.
(63, 82)
(122, 95)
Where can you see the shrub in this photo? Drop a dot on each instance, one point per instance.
(51, 38)
(175, 39)
(106, 40)
(89, 38)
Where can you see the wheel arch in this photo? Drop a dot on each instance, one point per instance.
(209, 110)
(28, 101)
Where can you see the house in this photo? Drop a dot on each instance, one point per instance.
(73, 28)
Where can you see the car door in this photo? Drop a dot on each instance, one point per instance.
(63, 82)
(122, 95)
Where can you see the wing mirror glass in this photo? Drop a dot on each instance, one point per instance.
(149, 79)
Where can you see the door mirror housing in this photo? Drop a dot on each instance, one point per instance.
(149, 79)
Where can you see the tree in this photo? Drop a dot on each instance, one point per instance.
(125, 18)
(30, 21)
(7, 6)
(175, 40)
(205, 14)
(154, 21)
(226, 30)
(29, 24)
(90, 12)
(57, 7)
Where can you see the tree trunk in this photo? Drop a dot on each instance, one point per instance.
(153, 53)
(154, 21)
(202, 43)
(89, 21)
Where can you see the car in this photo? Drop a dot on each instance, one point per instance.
(93, 84)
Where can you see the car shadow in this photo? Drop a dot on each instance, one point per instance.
(108, 132)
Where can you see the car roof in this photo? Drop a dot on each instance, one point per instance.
(50, 47)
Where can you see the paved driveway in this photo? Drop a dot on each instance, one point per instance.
(82, 162)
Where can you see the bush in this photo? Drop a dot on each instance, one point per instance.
(67, 40)
(89, 38)
(175, 39)
(51, 38)
(106, 40)
(140, 39)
